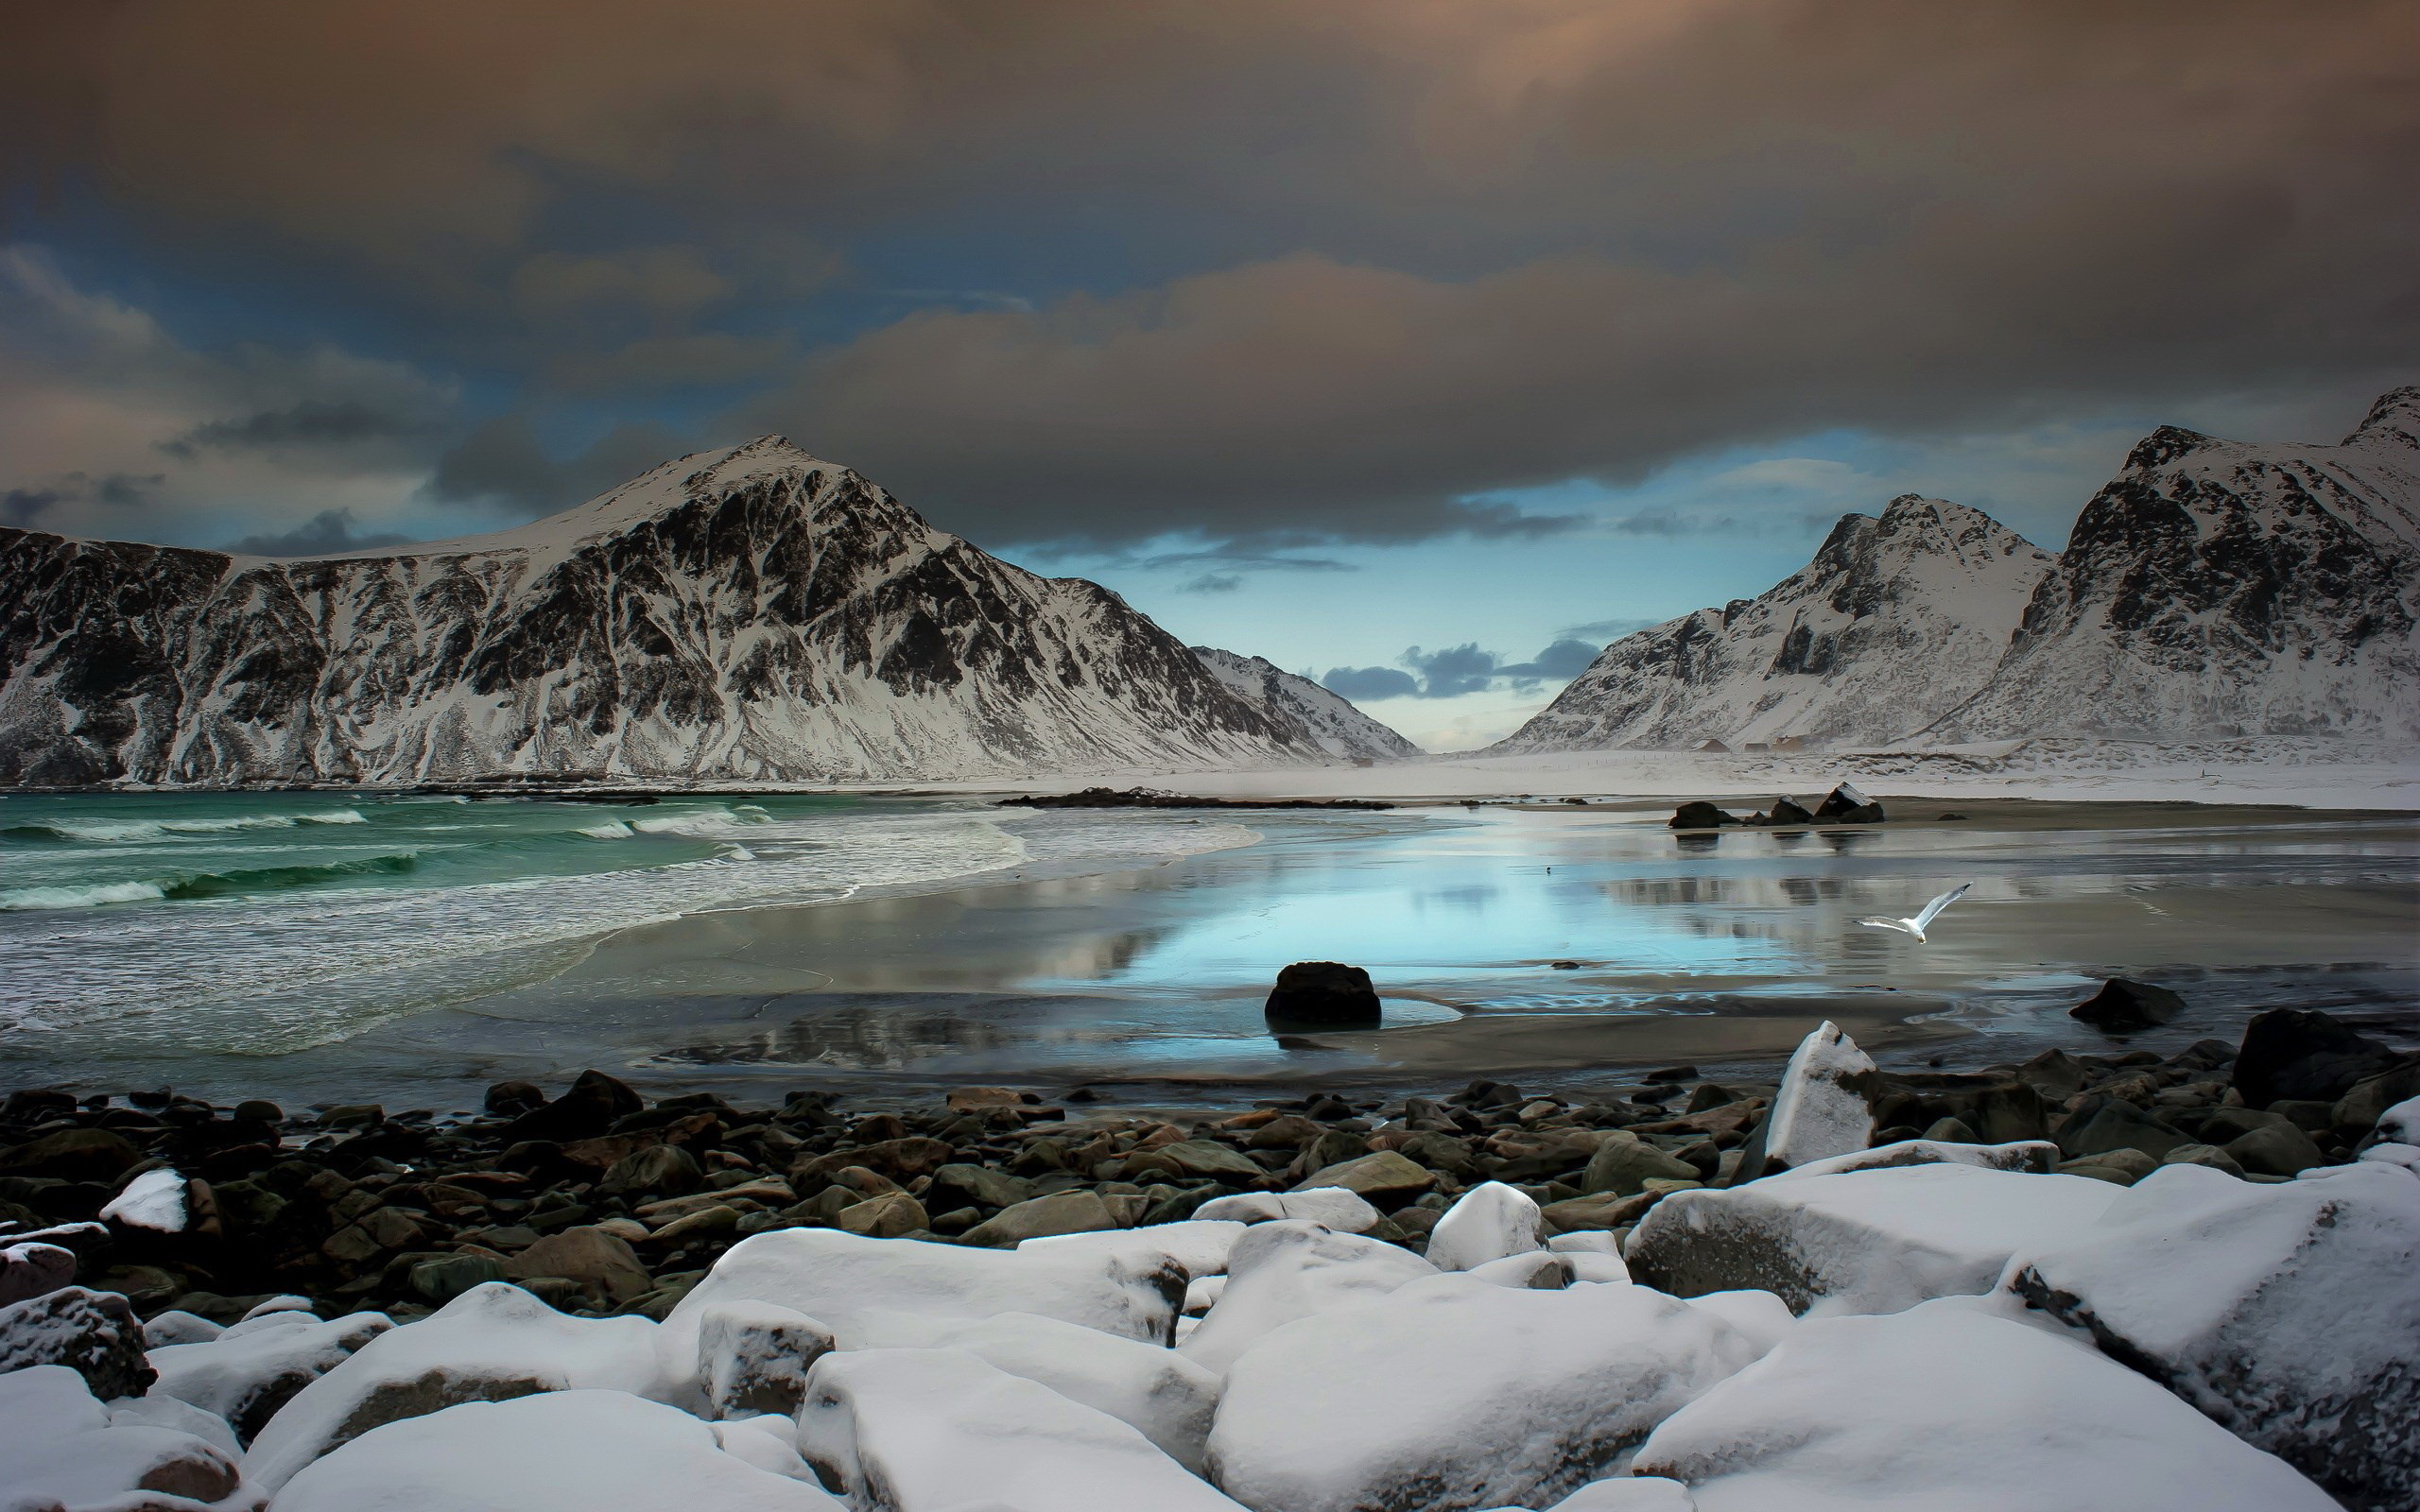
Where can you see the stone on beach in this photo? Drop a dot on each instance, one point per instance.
(490, 1344)
(1949, 1406)
(2302, 1053)
(753, 1356)
(575, 1451)
(61, 1448)
(1345, 1211)
(247, 1373)
(1322, 995)
(1823, 1106)
(1489, 1222)
(1279, 1272)
(1384, 1180)
(93, 1333)
(1451, 1393)
(1875, 1241)
(2123, 1003)
(2023, 1155)
(2290, 1314)
(937, 1430)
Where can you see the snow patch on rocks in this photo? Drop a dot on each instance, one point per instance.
(582, 1450)
(2287, 1312)
(1489, 1222)
(1947, 1406)
(1862, 1240)
(1452, 1394)
(1279, 1272)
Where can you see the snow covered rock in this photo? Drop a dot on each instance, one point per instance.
(1824, 1107)
(251, 1371)
(60, 1448)
(491, 1344)
(1949, 1406)
(1896, 620)
(1763, 1318)
(1345, 1211)
(941, 1430)
(753, 1356)
(93, 1334)
(1862, 1240)
(1195, 1247)
(1488, 1222)
(1279, 1272)
(1326, 719)
(30, 1268)
(2289, 1312)
(2021, 1154)
(558, 1451)
(1628, 1493)
(1166, 1397)
(849, 1283)
(1451, 1394)
(2224, 586)
(153, 1199)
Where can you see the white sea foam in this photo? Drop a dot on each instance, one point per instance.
(609, 829)
(29, 899)
(335, 816)
(120, 830)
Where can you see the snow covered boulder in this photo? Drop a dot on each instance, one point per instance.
(2038, 1155)
(29, 1269)
(1488, 1222)
(1860, 1241)
(93, 1333)
(753, 1356)
(1825, 1106)
(560, 1451)
(1629, 1493)
(491, 1344)
(251, 1371)
(1946, 1406)
(839, 1278)
(2289, 1312)
(942, 1429)
(1166, 1397)
(60, 1447)
(1279, 1272)
(1452, 1394)
(1195, 1247)
(1347, 1212)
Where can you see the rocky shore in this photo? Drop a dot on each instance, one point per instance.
(167, 1250)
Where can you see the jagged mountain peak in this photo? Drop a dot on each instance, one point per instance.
(1897, 617)
(751, 613)
(2393, 420)
(1326, 719)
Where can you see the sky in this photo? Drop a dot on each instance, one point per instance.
(1422, 346)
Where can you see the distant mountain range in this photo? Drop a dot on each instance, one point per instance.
(751, 614)
(2212, 586)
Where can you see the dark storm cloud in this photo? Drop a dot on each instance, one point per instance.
(1270, 273)
(504, 464)
(24, 507)
(1455, 670)
(330, 531)
(311, 423)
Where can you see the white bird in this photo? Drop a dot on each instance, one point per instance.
(1924, 916)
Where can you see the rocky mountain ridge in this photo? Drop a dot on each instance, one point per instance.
(2212, 589)
(751, 613)
(1327, 719)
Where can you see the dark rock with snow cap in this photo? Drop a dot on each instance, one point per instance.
(93, 1333)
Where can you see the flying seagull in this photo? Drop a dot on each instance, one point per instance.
(1924, 915)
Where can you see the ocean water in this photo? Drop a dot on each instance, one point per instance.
(259, 924)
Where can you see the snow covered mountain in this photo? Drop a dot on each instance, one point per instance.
(1896, 620)
(751, 613)
(2220, 587)
(1326, 719)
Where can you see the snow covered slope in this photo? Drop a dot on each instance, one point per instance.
(1326, 719)
(1896, 620)
(751, 613)
(2222, 588)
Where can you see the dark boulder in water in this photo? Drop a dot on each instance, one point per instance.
(2123, 1003)
(1700, 816)
(1323, 995)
